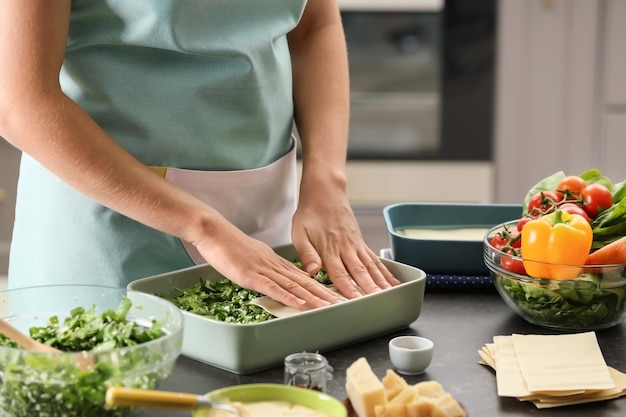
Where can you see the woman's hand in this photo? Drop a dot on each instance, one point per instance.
(254, 265)
(325, 232)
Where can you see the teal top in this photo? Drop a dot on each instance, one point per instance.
(194, 84)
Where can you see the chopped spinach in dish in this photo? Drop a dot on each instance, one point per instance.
(221, 300)
(53, 386)
(224, 300)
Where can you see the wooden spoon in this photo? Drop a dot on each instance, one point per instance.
(135, 397)
(24, 340)
(83, 360)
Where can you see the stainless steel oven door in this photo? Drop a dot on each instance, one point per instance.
(422, 83)
(395, 83)
(422, 77)
(394, 50)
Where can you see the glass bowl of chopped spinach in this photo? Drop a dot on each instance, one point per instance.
(107, 337)
(590, 298)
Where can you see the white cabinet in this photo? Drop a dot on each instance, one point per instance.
(613, 149)
(613, 153)
(615, 57)
(561, 91)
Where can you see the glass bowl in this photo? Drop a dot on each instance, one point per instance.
(58, 384)
(593, 300)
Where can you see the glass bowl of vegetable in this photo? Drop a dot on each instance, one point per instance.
(105, 337)
(545, 285)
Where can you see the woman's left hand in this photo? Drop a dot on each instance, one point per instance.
(325, 233)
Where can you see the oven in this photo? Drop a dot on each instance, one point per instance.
(422, 99)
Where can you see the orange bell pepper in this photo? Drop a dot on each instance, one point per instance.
(556, 245)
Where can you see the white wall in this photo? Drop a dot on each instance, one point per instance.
(561, 92)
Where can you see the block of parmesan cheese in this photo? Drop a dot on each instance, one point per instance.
(420, 408)
(446, 406)
(364, 389)
(429, 389)
(394, 384)
(392, 410)
(406, 396)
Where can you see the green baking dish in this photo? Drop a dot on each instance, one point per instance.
(444, 255)
(248, 348)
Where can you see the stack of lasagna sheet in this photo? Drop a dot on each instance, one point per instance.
(552, 370)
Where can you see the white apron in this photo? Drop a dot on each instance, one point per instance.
(261, 202)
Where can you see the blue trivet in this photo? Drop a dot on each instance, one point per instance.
(450, 282)
(457, 282)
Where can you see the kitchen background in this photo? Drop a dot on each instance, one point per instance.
(558, 103)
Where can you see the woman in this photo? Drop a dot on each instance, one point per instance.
(157, 133)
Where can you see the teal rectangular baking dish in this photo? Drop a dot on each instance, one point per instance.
(248, 348)
(444, 256)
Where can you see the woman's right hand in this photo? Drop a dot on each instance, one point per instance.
(254, 265)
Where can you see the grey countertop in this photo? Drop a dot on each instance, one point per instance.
(459, 323)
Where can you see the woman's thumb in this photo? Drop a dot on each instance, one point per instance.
(311, 261)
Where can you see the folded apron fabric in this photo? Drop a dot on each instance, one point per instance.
(261, 202)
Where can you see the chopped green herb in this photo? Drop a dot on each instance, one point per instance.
(226, 301)
(221, 300)
(48, 386)
(321, 276)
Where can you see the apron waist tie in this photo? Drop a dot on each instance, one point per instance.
(160, 171)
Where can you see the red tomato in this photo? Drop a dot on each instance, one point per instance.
(543, 202)
(515, 240)
(570, 187)
(506, 239)
(522, 222)
(596, 198)
(515, 265)
(498, 241)
(573, 208)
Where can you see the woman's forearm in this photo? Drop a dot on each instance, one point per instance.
(321, 93)
(39, 119)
